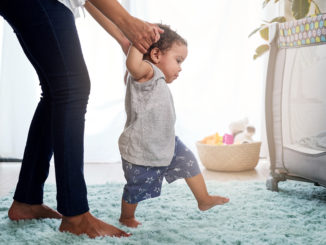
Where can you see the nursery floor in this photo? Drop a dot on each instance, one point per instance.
(100, 173)
(295, 215)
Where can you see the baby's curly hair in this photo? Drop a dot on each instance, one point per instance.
(167, 39)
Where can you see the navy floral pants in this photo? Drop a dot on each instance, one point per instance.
(145, 182)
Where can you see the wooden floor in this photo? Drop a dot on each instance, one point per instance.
(100, 173)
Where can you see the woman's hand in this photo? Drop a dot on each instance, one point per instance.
(142, 34)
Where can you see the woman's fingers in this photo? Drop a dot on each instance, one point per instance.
(140, 47)
(155, 36)
(144, 34)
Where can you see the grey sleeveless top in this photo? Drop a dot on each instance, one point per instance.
(148, 137)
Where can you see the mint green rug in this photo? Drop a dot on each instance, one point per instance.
(294, 215)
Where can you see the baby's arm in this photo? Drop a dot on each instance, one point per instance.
(139, 69)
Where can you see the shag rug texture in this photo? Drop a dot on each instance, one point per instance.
(294, 215)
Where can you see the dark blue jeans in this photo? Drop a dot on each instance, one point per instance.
(47, 33)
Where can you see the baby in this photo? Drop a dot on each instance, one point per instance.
(149, 149)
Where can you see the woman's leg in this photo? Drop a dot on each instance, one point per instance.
(28, 202)
(49, 33)
(36, 160)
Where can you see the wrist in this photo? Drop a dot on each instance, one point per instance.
(125, 44)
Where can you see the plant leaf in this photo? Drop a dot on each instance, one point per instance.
(300, 8)
(279, 19)
(317, 9)
(265, 3)
(264, 33)
(257, 29)
(261, 50)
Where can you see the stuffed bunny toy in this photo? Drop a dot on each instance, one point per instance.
(242, 132)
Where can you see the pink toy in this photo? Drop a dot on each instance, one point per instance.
(228, 139)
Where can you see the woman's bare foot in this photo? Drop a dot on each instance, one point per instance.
(132, 222)
(20, 211)
(89, 225)
(212, 201)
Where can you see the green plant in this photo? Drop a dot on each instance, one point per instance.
(299, 9)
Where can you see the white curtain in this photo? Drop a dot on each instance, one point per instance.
(219, 83)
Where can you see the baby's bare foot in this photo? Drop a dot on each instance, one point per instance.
(87, 224)
(20, 211)
(212, 201)
(131, 222)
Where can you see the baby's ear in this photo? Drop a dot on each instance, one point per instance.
(155, 55)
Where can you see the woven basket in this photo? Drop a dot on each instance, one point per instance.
(237, 157)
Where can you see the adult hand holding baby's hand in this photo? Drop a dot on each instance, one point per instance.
(142, 34)
(157, 32)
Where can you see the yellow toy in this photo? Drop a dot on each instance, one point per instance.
(214, 139)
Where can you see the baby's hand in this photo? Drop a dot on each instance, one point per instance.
(157, 31)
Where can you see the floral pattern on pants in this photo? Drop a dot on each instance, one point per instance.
(145, 182)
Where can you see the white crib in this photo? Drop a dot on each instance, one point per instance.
(296, 101)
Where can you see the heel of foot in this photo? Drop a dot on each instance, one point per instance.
(132, 222)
